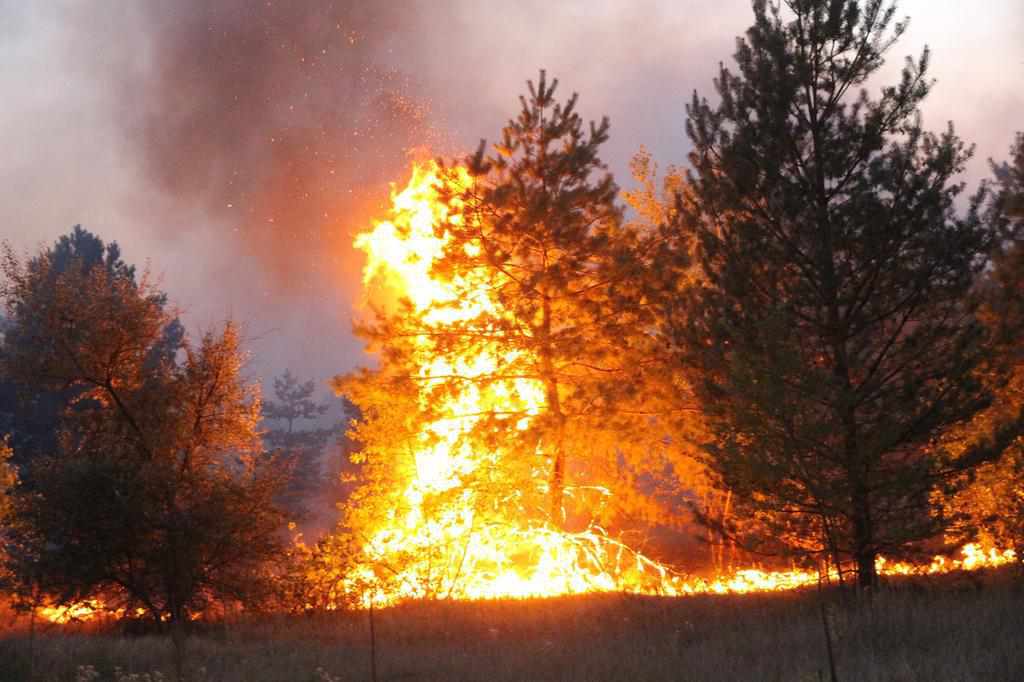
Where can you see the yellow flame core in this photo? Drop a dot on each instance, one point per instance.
(456, 554)
(515, 557)
(515, 584)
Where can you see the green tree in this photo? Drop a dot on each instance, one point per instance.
(155, 498)
(832, 339)
(1007, 207)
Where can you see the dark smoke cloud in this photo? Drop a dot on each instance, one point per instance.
(240, 144)
(282, 124)
(284, 119)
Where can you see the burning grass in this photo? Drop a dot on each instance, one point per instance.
(958, 626)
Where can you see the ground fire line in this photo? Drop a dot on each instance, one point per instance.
(438, 543)
(513, 553)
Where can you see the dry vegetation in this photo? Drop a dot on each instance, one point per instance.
(957, 628)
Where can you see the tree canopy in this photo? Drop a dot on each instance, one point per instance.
(541, 236)
(31, 415)
(833, 337)
(153, 498)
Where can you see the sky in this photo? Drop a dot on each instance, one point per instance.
(235, 147)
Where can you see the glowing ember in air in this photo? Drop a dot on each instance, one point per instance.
(444, 538)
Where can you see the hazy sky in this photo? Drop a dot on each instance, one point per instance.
(237, 146)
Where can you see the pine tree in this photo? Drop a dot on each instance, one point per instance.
(541, 232)
(833, 339)
(1007, 206)
(543, 227)
(505, 398)
(298, 446)
(32, 416)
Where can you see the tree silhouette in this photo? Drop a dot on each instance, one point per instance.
(297, 446)
(31, 415)
(834, 338)
(154, 498)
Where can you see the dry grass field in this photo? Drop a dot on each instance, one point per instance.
(956, 628)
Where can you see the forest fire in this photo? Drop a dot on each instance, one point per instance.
(456, 514)
(465, 551)
(77, 612)
(593, 399)
(550, 577)
(448, 538)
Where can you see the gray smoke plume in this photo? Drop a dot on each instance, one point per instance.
(240, 144)
(284, 119)
(284, 123)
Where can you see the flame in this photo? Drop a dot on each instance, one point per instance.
(465, 553)
(456, 550)
(448, 549)
(85, 611)
(77, 612)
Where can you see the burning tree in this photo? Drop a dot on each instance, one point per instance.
(835, 338)
(154, 501)
(992, 504)
(505, 399)
(539, 230)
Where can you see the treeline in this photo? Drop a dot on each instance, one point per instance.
(812, 322)
(813, 327)
(140, 468)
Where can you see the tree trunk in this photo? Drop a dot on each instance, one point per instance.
(32, 641)
(859, 476)
(177, 626)
(373, 647)
(867, 576)
(863, 540)
(557, 488)
(178, 641)
(558, 464)
(557, 483)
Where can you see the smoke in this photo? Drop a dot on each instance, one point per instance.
(280, 125)
(283, 119)
(241, 144)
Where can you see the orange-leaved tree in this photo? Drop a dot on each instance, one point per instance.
(154, 500)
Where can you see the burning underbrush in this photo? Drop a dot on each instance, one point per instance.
(452, 501)
(740, 582)
(954, 626)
